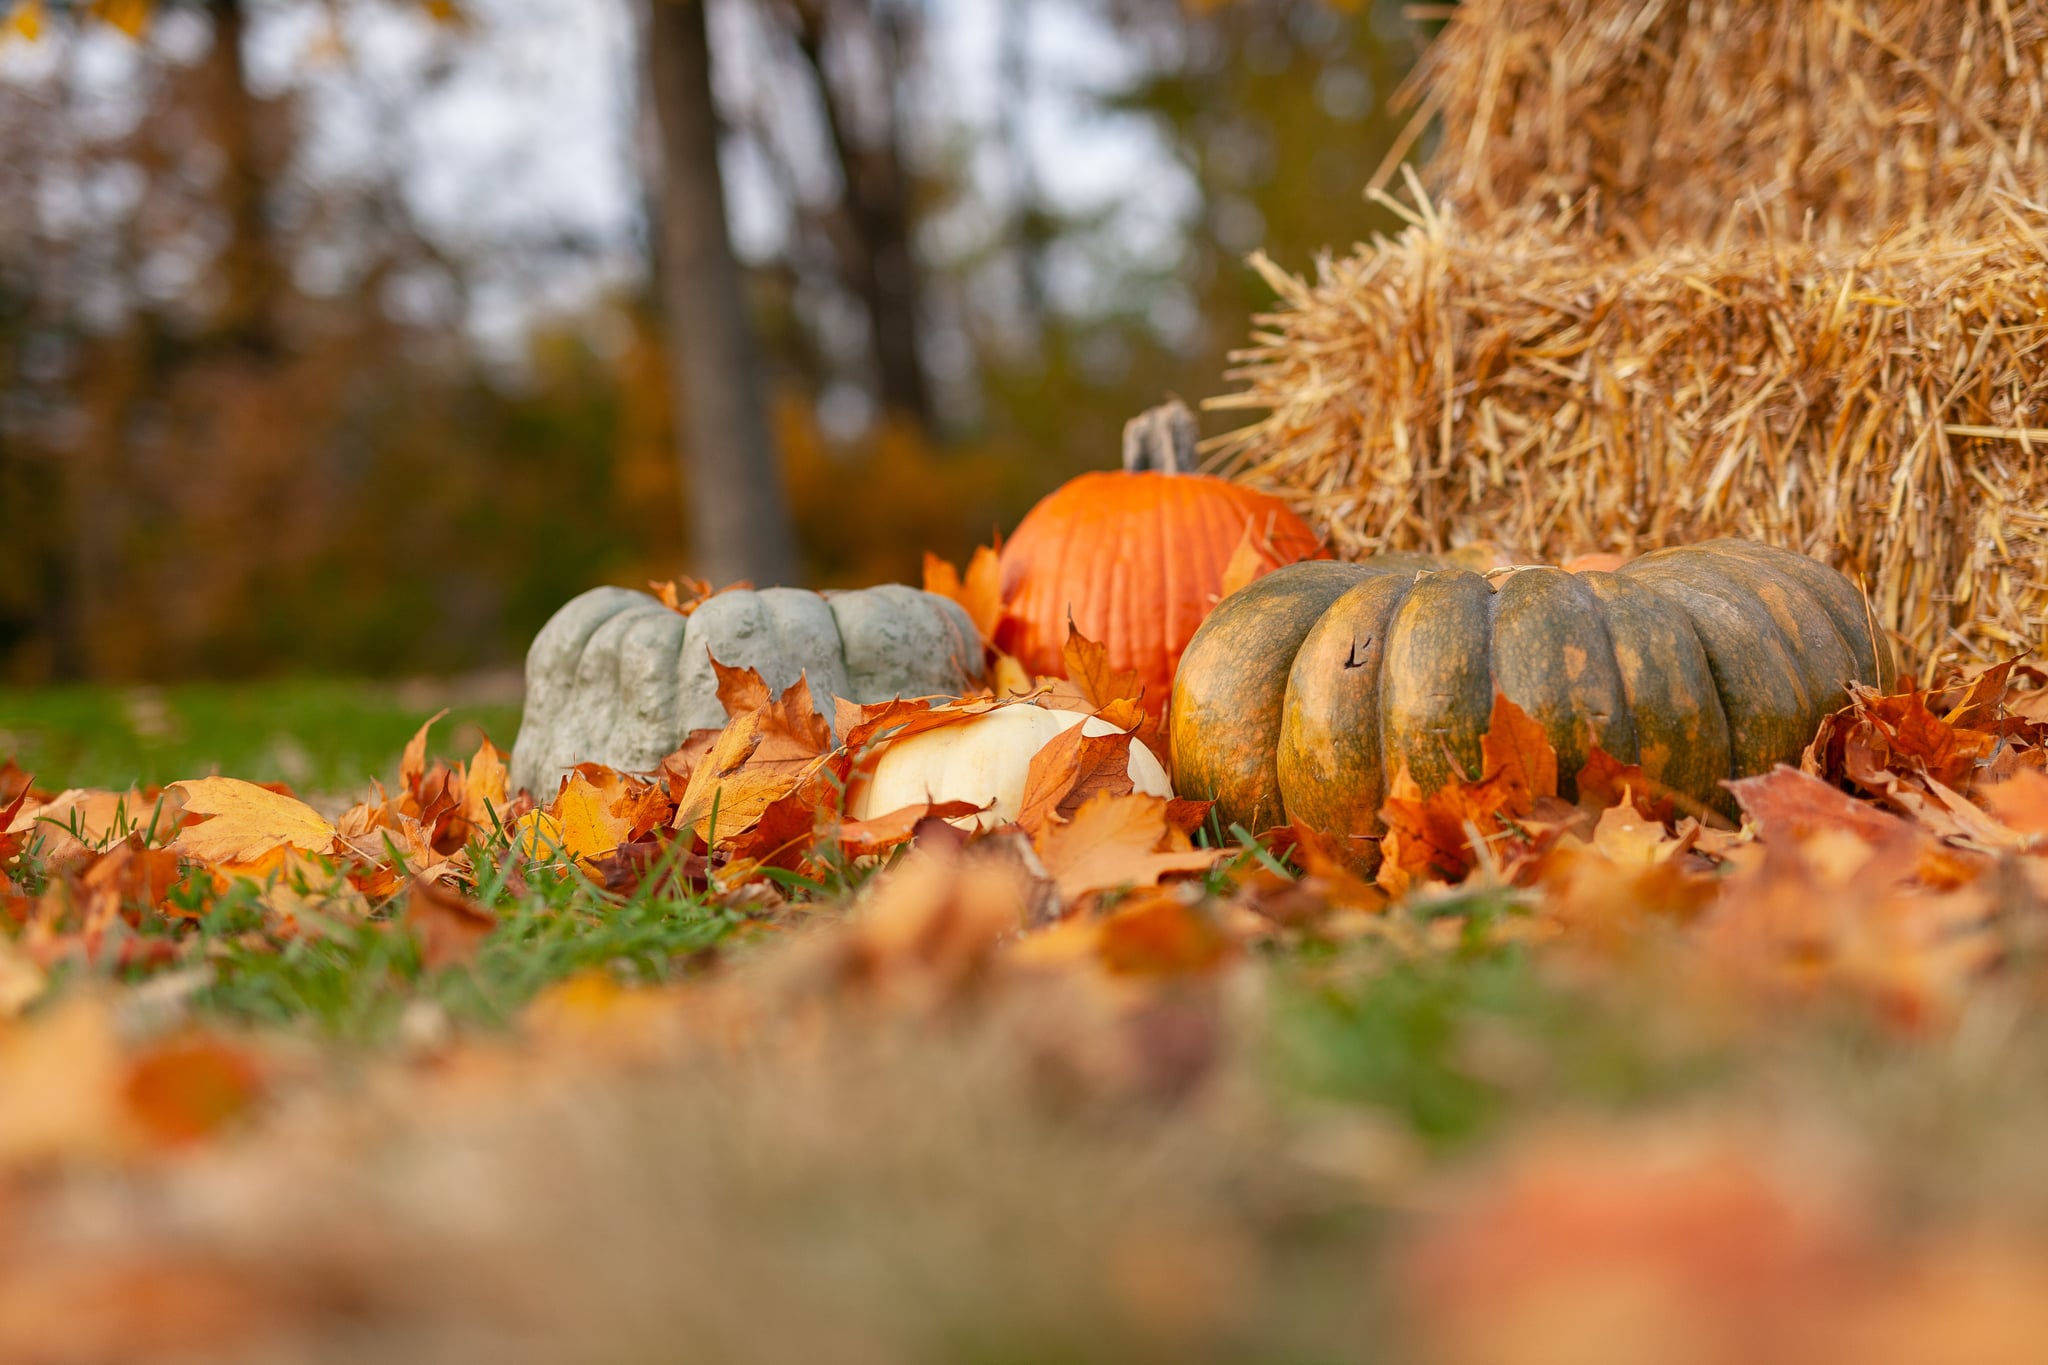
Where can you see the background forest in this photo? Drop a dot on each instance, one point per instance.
(342, 334)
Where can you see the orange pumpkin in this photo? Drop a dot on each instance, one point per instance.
(1136, 557)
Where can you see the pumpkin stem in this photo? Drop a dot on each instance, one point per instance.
(1161, 438)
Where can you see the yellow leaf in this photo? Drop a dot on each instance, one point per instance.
(589, 829)
(538, 836)
(484, 787)
(247, 821)
(27, 19)
(1248, 563)
(130, 16)
(1010, 678)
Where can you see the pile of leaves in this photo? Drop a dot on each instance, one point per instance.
(1107, 948)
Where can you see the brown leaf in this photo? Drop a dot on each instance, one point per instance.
(764, 754)
(2021, 802)
(780, 834)
(1984, 699)
(412, 765)
(1115, 841)
(1088, 668)
(245, 821)
(677, 767)
(1071, 768)
(1788, 804)
(879, 833)
(1428, 836)
(588, 827)
(14, 783)
(450, 928)
(684, 594)
(740, 690)
(1607, 781)
(1518, 753)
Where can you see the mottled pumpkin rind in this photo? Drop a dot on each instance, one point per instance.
(1307, 692)
(1330, 767)
(1228, 695)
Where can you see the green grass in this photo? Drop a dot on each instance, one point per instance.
(355, 980)
(320, 735)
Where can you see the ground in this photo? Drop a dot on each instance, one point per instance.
(542, 1107)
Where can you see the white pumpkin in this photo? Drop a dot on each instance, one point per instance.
(986, 761)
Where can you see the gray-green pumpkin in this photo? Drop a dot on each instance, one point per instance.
(617, 678)
(1304, 694)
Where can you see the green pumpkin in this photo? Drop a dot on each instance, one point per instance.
(1304, 694)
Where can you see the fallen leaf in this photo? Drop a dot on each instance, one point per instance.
(1071, 768)
(684, 594)
(1115, 841)
(1430, 836)
(1786, 803)
(412, 765)
(1516, 752)
(1607, 781)
(245, 820)
(882, 832)
(181, 1090)
(1159, 934)
(1088, 668)
(450, 928)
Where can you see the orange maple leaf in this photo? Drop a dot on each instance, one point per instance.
(1517, 752)
(979, 592)
(1115, 841)
(684, 594)
(1158, 933)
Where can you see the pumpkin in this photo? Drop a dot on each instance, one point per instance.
(985, 760)
(617, 678)
(1135, 557)
(1304, 694)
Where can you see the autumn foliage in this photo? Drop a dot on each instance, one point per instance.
(1103, 943)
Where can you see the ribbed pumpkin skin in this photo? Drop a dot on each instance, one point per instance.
(1138, 560)
(1303, 695)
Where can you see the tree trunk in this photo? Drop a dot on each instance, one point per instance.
(877, 255)
(247, 265)
(739, 520)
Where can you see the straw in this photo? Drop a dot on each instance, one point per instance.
(1877, 407)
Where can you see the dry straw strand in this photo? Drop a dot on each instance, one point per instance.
(1686, 268)
(1875, 407)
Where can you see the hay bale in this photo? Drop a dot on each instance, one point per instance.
(1701, 119)
(1876, 407)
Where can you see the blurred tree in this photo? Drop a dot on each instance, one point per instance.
(739, 522)
(249, 416)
